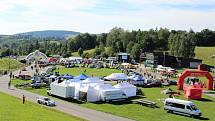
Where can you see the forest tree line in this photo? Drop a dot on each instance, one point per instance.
(178, 43)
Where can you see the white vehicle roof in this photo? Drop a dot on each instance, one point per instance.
(179, 101)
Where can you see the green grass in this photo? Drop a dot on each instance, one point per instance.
(91, 51)
(205, 54)
(12, 109)
(89, 71)
(7, 63)
(142, 113)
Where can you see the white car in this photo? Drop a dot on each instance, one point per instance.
(46, 101)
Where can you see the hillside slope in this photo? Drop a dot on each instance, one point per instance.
(205, 53)
(50, 33)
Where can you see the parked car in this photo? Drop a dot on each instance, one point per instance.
(152, 83)
(46, 101)
(172, 82)
(181, 107)
(37, 84)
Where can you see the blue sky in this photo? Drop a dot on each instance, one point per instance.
(97, 16)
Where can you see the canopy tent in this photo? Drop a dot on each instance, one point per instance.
(93, 80)
(85, 84)
(128, 89)
(107, 92)
(52, 76)
(116, 77)
(81, 76)
(136, 79)
(67, 76)
(71, 82)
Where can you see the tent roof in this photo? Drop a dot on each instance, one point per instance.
(67, 76)
(105, 87)
(124, 85)
(52, 76)
(82, 76)
(92, 80)
(116, 76)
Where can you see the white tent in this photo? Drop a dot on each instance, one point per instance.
(86, 86)
(93, 80)
(106, 92)
(116, 76)
(93, 95)
(128, 89)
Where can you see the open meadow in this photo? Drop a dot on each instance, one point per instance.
(135, 111)
(12, 109)
(206, 53)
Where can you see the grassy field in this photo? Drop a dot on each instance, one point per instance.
(205, 54)
(141, 113)
(89, 71)
(12, 109)
(7, 63)
(91, 51)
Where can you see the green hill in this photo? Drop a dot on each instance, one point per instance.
(91, 51)
(50, 33)
(206, 53)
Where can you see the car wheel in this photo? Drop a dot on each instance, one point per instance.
(39, 102)
(169, 111)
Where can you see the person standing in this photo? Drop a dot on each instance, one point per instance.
(23, 99)
(9, 83)
(11, 74)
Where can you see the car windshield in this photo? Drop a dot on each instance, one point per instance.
(193, 107)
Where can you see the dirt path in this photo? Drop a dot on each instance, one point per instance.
(66, 107)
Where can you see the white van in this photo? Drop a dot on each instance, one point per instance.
(181, 107)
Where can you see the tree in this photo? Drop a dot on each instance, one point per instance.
(97, 51)
(182, 44)
(135, 52)
(85, 55)
(129, 47)
(114, 39)
(80, 51)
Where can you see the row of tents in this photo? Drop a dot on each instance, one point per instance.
(92, 89)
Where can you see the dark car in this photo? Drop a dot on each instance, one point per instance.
(172, 82)
(152, 83)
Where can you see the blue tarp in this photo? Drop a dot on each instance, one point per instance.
(81, 77)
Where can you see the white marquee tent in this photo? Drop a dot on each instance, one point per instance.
(116, 76)
(128, 89)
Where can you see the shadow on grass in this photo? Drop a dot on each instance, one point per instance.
(70, 100)
(209, 92)
(199, 118)
(205, 100)
(121, 102)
